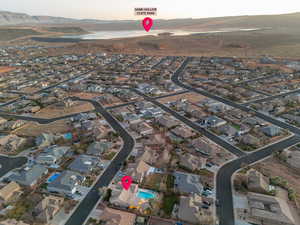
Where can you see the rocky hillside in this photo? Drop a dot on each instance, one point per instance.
(10, 18)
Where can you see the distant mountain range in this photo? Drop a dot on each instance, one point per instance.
(12, 18)
(283, 21)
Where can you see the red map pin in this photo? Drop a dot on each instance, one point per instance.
(147, 23)
(126, 182)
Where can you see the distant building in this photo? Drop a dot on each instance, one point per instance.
(29, 176)
(271, 131)
(84, 164)
(66, 183)
(52, 155)
(265, 209)
(192, 162)
(45, 140)
(293, 157)
(9, 191)
(214, 121)
(117, 217)
(256, 182)
(97, 148)
(48, 208)
(190, 209)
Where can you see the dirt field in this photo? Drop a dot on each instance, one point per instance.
(5, 69)
(273, 167)
(84, 95)
(35, 129)
(54, 111)
(191, 97)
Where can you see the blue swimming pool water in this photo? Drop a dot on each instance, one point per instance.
(53, 177)
(146, 195)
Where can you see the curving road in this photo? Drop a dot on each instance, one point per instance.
(225, 210)
(87, 204)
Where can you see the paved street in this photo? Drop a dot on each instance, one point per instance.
(234, 150)
(88, 203)
(224, 187)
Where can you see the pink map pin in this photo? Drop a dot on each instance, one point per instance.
(147, 23)
(126, 182)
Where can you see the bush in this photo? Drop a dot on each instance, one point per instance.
(107, 195)
(170, 181)
(292, 194)
(109, 156)
(169, 200)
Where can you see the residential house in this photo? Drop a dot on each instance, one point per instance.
(97, 148)
(213, 121)
(293, 157)
(227, 130)
(52, 155)
(151, 113)
(256, 182)
(140, 170)
(167, 122)
(271, 130)
(84, 164)
(192, 162)
(249, 139)
(202, 146)
(9, 190)
(187, 183)
(29, 176)
(141, 128)
(11, 143)
(124, 198)
(48, 208)
(131, 117)
(183, 132)
(253, 121)
(116, 217)
(44, 140)
(66, 183)
(190, 209)
(270, 210)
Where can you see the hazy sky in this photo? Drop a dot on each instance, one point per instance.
(123, 9)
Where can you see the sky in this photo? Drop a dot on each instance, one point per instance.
(166, 9)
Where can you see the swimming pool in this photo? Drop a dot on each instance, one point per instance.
(146, 194)
(53, 177)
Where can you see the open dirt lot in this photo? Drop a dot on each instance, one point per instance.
(54, 111)
(273, 167)
(35, 129)
(191, 97)
(84, 95)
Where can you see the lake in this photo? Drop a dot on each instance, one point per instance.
(139, 33)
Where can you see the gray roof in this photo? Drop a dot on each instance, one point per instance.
(84, 163)
(54, 151)
(271, 130)
(214, 120)
(67, 180)
(28, 177)
(98, 148)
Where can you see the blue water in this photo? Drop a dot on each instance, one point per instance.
(141, 32)
(68, 136)
(146, 195)
(53, 177)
